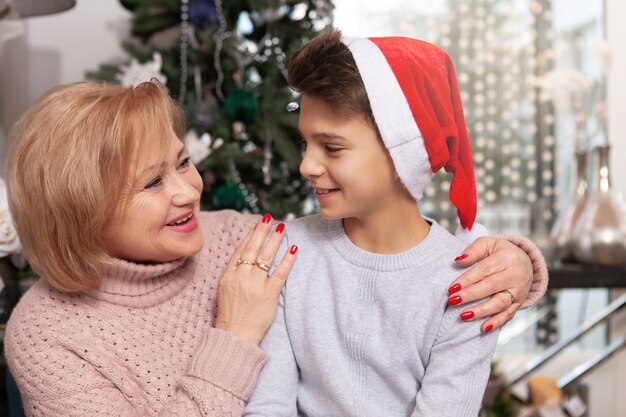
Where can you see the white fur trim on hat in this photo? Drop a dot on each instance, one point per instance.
(469, 236)
(393, 116)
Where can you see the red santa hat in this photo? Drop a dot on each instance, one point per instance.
(413, 92)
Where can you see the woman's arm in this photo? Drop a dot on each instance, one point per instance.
(62, 376)
(509, 268)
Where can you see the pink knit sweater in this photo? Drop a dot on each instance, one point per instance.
(144, 345)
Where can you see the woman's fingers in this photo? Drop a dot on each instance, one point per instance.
(252, 249)
(481, 250)
(232, 262)
(500, 319)
(504, 267)
(498, 303)
(504, 275)
(247, 299)
(265, 259)
(279, 276)
(487, 277)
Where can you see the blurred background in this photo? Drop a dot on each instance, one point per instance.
(543, 101)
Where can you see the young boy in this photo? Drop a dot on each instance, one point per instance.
(364, 327)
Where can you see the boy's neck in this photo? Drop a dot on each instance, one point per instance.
(392, 231)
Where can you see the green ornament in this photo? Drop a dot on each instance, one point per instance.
(241, 106)
(228, 196)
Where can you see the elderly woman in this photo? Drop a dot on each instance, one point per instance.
(148, 306)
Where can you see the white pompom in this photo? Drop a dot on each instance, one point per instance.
(469, 236)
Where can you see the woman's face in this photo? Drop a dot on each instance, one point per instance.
(158, 221)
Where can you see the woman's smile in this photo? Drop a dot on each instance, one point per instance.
(186, 224)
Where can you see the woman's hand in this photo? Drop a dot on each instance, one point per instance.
(504, 271)
(247, 295)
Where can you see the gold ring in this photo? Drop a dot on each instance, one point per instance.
(244, 262)
(513, 299)
(264, 267)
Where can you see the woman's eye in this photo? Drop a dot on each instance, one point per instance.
(185, 162)
(303, 144)
(153, 183)
(332, 149)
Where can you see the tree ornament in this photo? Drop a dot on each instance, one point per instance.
(184, 44)
(136, 73)
(228, 196)
(241, 106)
(267, 159)
(238, 130)
(219, 37)
(204, 109)
(202, 13)
(200, 147)
(204, 113)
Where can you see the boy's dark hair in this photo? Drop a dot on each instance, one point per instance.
(324, 68)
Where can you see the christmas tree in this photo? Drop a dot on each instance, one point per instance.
(226, 63)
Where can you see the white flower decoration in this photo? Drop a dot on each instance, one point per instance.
(9, 242)
(136, 73)
(201, 147)
(565, 87)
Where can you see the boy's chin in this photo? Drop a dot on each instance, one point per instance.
(329, 215)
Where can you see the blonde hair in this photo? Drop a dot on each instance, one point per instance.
(73, 157)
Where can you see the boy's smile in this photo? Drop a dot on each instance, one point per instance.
(322, 194)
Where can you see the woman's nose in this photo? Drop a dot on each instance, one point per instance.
(185, 190)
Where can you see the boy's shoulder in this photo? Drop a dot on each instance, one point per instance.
(313, 226)
(443, 248)
(446, 241)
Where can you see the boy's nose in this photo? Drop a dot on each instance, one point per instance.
(310, 167)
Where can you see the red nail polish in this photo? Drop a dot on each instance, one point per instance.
(454, 300)
(466, 315)
(280, 227)
(293, 249)
(488, 328)
(267, 218)
(461, 257)
(454, 288)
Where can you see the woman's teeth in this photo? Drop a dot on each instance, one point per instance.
(182, 221)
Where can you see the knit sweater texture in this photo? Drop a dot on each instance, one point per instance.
(141, 345)
(360, 334)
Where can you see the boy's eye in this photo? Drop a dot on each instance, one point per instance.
(156, 181)
(303, 144)
(332, 149)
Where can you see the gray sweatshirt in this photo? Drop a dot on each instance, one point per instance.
(370, 335)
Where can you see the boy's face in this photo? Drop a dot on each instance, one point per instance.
(348, 165)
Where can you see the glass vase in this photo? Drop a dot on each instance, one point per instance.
(601, 229)
(563, 232)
